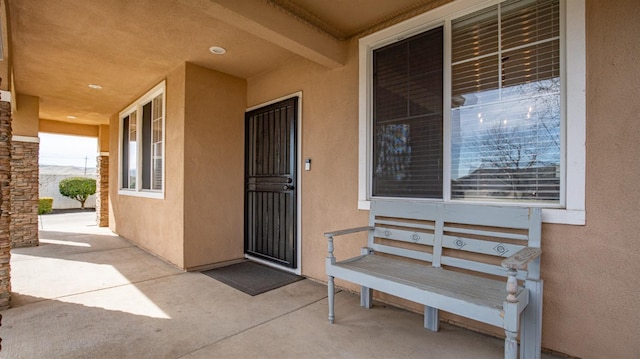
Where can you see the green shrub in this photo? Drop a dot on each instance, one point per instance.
(45, 205)
(78, 188)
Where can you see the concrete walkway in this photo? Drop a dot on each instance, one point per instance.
(87, 293)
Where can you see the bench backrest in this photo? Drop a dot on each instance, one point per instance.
(466, 236)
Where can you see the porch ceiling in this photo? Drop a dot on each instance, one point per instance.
(58, 48)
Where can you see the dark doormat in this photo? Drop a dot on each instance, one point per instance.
(252, 278)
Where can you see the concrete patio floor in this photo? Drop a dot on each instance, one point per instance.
(87, 293)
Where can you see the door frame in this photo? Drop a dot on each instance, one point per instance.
(298, 269)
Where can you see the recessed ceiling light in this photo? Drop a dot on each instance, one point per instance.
(95, 87)
(217, 50)
(71, 117)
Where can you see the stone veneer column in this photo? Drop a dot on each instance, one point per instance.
(102, 191)
(5, 218)
(23, 227)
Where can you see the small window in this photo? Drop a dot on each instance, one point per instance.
(142, 145)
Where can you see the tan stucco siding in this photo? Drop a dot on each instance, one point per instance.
(25, 119)
(67, 128)
(156, 225)
(103, 138)
(330, 138)
(590, 272)
(213, 167)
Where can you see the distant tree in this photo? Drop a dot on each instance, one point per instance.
(78, 188)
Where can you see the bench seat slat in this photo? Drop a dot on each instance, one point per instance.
(477, 291)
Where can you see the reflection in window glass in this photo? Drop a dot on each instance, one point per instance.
(505, 116)
(133, 152)
(408, 117)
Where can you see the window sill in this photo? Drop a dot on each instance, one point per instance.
(549, 215)
(143, 194)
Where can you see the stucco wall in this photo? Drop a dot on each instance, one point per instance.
(154, 224)
(330, 138)
(213, 166)
(591, 289)
(590, 272)
(66, 128)
(26, 116)
(103, 138)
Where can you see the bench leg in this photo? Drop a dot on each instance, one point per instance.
(331, 299)
(510, 345)
(365, 297)
(431, 318)
(531, 322)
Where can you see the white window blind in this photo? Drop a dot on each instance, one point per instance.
(157, 144)
(407, 117)
(505, 110)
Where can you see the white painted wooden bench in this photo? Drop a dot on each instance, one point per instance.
(459, 257)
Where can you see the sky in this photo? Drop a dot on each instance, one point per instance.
(65, 150)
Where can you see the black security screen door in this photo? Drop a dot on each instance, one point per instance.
(270, 182)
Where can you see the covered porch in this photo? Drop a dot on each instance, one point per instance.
(87, 293)
(167, 87)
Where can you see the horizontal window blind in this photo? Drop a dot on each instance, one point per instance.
(152, 144)
(124, 156)
(407, 117)
(157, 144)
(505, 108)
(132, 151)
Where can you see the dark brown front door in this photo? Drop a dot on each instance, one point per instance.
(270, 182)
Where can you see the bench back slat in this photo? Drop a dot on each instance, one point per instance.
(409, 236)
(503, 250)
(429, 227)
(406, 209)
(396, 251)
(490, 216)
(489, 233)
(466, 236)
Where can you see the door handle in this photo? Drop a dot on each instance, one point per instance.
(288, 187)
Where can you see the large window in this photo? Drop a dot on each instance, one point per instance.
(472, 104)
(142, 145)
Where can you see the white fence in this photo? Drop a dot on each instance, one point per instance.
(48, 187)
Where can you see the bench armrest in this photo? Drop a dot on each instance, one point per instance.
(341, 232)
(521, 259)
(347, 231)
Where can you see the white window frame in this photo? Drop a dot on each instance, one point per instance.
(136, 106)
(573, 58)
